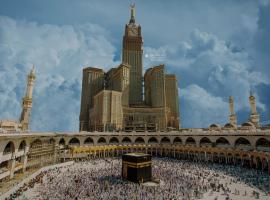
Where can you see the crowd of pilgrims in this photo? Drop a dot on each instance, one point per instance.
(101, 179)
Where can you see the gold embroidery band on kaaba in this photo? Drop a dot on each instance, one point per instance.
(137, 165)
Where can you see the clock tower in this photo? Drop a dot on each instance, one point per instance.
(132, 54)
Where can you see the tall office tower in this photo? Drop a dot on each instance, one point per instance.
(155, 94)
(92, 83)
(27, 101)
(154, 79)
(107, 111)
(132, 54)
(114, 100)
(172, 101)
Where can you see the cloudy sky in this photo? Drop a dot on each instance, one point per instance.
(216, 48)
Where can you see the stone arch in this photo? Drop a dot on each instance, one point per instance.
(126, 140)
(205, 142)
(9, 148)
(74, 141)
(263, 144)
(52, 141)
(139, 140)
(222, 142)
(177, 140)
(241, 141)
(215, 157)
(245, 160)
(237, 159)
(222, 154)
(190, 141)
(89, 141)
(22, 146)
(165, 140)
(258, 163)
(101, 140)
(62, 141)
(114, 140)
(265, 164)
(152, 140)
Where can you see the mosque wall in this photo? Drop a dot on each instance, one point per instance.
(24, 151)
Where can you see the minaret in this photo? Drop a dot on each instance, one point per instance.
(233, 119)
(254, 116)
(132, 54)
(27, 101)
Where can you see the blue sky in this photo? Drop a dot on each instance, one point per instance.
(216, 48)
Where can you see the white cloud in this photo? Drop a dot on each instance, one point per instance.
(206, 60)
(211, 63)
(59, 54)
(203, 60)
(201, 108)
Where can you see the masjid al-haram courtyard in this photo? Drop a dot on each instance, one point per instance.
(176, 179)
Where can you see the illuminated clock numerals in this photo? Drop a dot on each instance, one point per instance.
(133, 32)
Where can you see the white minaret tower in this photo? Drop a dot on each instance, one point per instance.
(233, 119)
(27, 101)
(254, 116)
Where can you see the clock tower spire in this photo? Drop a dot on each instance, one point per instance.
(132, 54)
(132, 9)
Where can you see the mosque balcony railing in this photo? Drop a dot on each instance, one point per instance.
(223, 146)
(7, 151)
(20, 153)
(40, 161)
(65, 155)
(36, 157)
(4, 174)
(18, 167)
(184, 132)
(244, 147)
(225, 132)
(265, 149)
(41, 150)
(6, 157)
(33, 163)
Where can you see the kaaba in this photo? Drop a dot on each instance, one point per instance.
(137, 167)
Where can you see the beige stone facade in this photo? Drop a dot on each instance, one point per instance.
(142, 103)
(118, 80)
(10, 126)
(92, 83)
(172, 102)
(143, 118)
(107, 111)
(22, 152)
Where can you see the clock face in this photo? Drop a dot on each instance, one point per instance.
(133, 32)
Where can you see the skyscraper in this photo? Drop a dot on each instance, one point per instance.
(92, 83)
(114, 100)
(132, 54)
